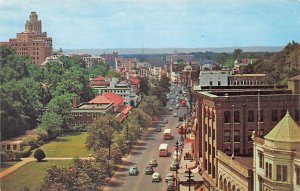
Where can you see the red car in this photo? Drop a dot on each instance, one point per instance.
(181, 130)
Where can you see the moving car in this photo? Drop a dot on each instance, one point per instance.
(169, 177)
(171, 186)
(133, 171)
(170, 109)
(149, 170)
(178, 125)
(156, 177)
(158, 128)
(165, 121)
(153, 163)
(174, 166)
(175, 115)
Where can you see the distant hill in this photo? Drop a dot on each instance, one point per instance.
(171, 50)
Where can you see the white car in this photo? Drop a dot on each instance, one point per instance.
(156, 177)
(170, 109)
(175, 115)
(170, 177)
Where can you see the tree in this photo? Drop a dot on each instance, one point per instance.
(237, 53)
(51, 123)
(39, 155)
(144, 86)
(100, 132)
(164, 83)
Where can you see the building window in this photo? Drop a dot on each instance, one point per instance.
(261, 132)
(281, 173)
(298, 175)
(261, 116)
(219, 83)
(213, 134)
(268, 170)
(236, 117)
(80, 114)
(274, 115)
(236, 136)
(261, 159)
(8, 147)
(227, 117)
(227, 136)
(14, 147)
(76, 114)
(88, 114)
(283, 112)
(250, 116)
(210, 83)
(297, 115)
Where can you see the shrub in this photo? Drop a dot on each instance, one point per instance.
(39, 155)
(26, 151)
(32, 141)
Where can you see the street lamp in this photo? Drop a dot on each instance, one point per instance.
(232, 156)
(176, 148)
(127, 139)
(189, 176)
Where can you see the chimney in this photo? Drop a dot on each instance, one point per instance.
(75, 101)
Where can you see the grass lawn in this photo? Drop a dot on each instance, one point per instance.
(30, 175)
(6, 165)
(72, 145)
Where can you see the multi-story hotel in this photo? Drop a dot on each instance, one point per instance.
(32, 41)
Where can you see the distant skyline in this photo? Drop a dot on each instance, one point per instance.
(105, 24)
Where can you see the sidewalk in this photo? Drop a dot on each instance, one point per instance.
(186, 164)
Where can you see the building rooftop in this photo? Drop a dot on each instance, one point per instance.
(98, 78)
(287, 130)
(117, 99)
(246, 161)
(295, 78)
(134, 81)
(99, 99)
(247, 75)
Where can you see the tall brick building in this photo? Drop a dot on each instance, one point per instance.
(32, 41)
(226, 119)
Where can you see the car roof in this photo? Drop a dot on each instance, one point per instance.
(170, 174)
(156, 174)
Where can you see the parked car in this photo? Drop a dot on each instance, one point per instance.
(149, 170)
(171, 186)
(158, 128)
(178, 125)
(169, 177)
(156, 177)
(174, 166)
(153, 163)
(170, 109)
(175, 115)
(133, 171)
(165, 121)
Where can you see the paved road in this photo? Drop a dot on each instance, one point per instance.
(143, 152)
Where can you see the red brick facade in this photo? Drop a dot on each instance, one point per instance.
(215, 117)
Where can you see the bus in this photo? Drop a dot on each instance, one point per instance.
(167, 134)
(163, 150)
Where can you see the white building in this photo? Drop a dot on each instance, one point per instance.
(123, 89)
(277, 158)
(91, 59)
(214, 77)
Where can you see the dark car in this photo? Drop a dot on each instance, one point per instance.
(158, 129)
(149, 170)
(174, 166)
(171, 186)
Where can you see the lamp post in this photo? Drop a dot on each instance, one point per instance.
(189, 176)
(127, 139)
(176, 148)
(232, 156)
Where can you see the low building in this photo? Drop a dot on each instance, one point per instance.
(214, 77)
(246, 79)
(236, 173)
(84, 113)
(277, 157)
(115, 98)
(91, 59)
(127, 64)
(99, 81)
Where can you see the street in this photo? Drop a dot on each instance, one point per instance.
(146, 150)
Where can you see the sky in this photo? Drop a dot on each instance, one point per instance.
(87, 24)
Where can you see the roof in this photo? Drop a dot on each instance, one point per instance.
(134, 81)
(295, 78)
(100, 99)
(287, 130)
(125, 109)
(98, 78)
(117, 99)
(247, 75)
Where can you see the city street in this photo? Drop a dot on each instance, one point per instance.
(146, 150)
